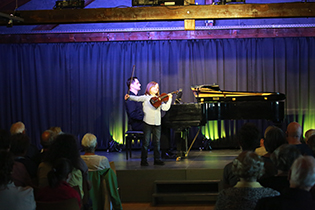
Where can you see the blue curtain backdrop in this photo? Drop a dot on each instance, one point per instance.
(80, 86)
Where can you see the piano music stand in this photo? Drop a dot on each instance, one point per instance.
(178, 99)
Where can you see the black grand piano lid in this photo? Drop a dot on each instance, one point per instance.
(208, 92)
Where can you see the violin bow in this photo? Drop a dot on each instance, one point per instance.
(131, 78)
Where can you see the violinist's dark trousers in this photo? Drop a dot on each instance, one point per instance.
(156, 136)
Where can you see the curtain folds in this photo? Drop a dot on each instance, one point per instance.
(80, 86)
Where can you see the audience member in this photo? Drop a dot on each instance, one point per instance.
(19, 127)
(311, 143)
(99, 167)
(297, 196)
(19, 146)
(243, 196)
(283, 158)
(94, 162)
(294, 134)
(59, 188)
(275, 137)
(4, 140)
(56, 130)
(20, 176)
(11, 196)
(308, 134)
(46, 139)
(248, 138)
(261, 150)
(64, 146)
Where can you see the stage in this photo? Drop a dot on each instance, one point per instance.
(139, 184)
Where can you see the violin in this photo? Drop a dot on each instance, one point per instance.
(156, 101)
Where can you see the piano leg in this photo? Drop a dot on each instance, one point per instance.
(192, 143)
(182, 142)
(181, 138)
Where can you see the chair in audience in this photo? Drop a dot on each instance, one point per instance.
(112, 166)
(70, 204)
(104, 191)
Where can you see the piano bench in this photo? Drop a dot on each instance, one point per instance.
(132, 136)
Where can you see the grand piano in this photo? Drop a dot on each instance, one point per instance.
(216, 104)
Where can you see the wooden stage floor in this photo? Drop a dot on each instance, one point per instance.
(206, 159)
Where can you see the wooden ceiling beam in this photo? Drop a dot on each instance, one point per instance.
(166, 35)
(166, 13)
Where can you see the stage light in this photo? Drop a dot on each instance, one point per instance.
(69, 4)
(157, 2)
(11, 18)
(232, 1)
(10, 23)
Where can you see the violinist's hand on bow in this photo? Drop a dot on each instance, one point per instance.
(127, 96)
(170, 96)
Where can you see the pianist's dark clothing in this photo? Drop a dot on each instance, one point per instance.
(135, 114)
(290, 199)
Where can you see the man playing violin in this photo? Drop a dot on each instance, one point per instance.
(152, 121)
(134, 109)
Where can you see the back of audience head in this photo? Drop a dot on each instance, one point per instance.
(302, 174)
(261, 144)
(311, 143)
(268, 129)
(274, 138)
(89, 142)
(64, 146)
(47, 138)
(17, 127)
(6, 167)
(294, 133)
(4, 140)
(248, 166)
(56, 130)
(309, 133)
(248, 137)
(284, 156)
(61, 171)
(19, 144)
